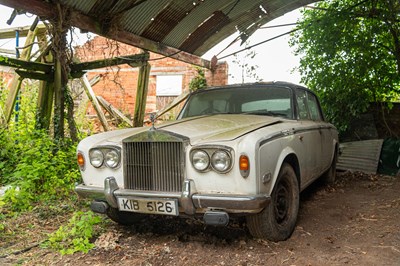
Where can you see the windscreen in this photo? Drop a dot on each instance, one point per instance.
(259, 100)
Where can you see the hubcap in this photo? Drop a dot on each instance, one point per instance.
(282, 202)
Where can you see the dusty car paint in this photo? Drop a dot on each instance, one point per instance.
(269, 142)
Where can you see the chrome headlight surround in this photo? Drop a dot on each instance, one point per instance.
(200, 160)
(108, 156)
(220, 158)
(112, 158)
(221, 161)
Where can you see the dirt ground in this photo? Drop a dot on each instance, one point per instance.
(354, 222)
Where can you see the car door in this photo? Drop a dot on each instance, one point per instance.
(324, 131)
(310, 135)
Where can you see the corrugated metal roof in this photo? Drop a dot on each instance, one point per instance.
(183, 29)
(360, 156)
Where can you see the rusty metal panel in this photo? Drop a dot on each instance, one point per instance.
(216, 22)
(189, 24)
(360, 156)
(166, 23)
(138, 18)
(274, 8)
(167, 19)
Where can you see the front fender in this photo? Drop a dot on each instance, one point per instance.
(270, 163)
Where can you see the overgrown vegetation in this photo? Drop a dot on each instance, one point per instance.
(350, 55)
(75, 236)
(199, 81)
(38, 174)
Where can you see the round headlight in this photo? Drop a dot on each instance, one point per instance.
(112, 158)
(96, 158)
(200, 160)
(221, 161)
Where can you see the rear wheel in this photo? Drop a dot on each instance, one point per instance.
(329, 176)
(123, 218)
(278, 220)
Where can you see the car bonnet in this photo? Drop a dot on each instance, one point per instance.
(215, 128)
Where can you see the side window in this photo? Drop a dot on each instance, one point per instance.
(302, 109)
(314, 108)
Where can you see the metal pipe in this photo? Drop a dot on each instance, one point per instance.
(17, 55)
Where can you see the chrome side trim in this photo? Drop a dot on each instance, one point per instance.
(89, 192)
(236, 202)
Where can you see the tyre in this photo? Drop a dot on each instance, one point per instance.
(123, 218)
(278, 220)
(329, 176)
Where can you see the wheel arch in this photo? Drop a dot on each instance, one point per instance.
(292, 160)
(289, 156)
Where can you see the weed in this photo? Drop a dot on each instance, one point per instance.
(76, 235)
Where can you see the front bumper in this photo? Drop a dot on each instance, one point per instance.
(190, 202)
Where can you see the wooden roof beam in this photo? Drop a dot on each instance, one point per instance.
(48, 11)
(23, 31)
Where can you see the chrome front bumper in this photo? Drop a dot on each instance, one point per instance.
(190, 201)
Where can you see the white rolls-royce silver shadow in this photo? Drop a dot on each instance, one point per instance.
(238, 150)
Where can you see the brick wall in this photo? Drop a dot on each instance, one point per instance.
(6, 75)
(118, 84)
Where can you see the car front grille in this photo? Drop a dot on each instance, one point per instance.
(154, 166)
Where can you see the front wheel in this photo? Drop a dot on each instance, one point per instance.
(278, 220)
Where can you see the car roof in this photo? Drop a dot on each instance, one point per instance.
(256, 84)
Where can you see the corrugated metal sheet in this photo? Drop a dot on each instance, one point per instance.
(360, 156)
(182, 24)
(181, 29)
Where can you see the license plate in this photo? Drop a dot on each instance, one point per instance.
(151, 206)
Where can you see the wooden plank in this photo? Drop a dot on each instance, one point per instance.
(93, 81)
(174, 103)
(141, 95)
(34, 75)
(7, 51)
(114, 111)
(23, 31)
(133, 60)
(46, 89)
(17, 81)
(45, 105)
(20, 63)
(90, 93)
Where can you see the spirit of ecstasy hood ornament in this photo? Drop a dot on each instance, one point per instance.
(153, 119)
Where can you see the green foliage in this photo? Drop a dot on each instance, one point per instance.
(350, 55)
(37, 167)
(75, 236)
(198, 82)
(40, 170)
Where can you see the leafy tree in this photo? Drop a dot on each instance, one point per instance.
(350, 55)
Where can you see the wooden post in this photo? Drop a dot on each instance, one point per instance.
(141, 95)
(58, 101)
(46, 90)
(114, 111)
(90, 93)
(16, 81)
